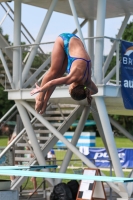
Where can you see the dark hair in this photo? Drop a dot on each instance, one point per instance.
(81, 92)
(6, 130)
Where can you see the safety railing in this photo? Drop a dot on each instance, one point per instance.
(39, 72)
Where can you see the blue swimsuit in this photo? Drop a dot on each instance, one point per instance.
(66, 38)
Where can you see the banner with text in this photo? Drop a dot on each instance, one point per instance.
(7, 158)
(101, 159)
(127, 74)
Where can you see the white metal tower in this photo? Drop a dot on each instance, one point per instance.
(107, 101)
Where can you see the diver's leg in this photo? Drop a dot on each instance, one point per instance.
(49, 92)
(57, 67)
(57, 60)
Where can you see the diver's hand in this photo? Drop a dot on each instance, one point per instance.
(39, 104)
(36, 90)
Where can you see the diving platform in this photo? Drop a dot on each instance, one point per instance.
(110, 93)
(85, 9)
(62, 110)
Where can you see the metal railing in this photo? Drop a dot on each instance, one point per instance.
(105, 80)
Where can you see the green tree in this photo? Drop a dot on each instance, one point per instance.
(7, 38)
(5, 104)
(125, 121)
(111, 66)
(128, 33)
(1, 30)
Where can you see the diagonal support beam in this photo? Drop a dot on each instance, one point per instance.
(101, 12)
(73, 9)
(31, 135)
(91, 44)
(110, 140)
(38, 40)
(99, 126)
(81, 25)
(121, 129)
(21, 25)
(121, 30)
(8, 112)
(37, 72)
(58, 135)
(110, 74)
(3, 45)
(74, 141)
(1, 22)
(6, 69)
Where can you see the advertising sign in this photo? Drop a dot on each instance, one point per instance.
(101, 158)
(127, 74)
(7, 158)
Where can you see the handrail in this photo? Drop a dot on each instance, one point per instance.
(15, 140)
(10, 9)
(28, 45)
(99, 37)
(8, 112)
(117, 40)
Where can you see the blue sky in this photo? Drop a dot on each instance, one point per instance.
(32, 17)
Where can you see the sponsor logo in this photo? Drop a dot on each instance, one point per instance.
(105, 158)
(126, 58)
(128, 83)
(127, 61)
(129, 51)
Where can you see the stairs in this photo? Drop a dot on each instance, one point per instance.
(61, 116)
(56, 115)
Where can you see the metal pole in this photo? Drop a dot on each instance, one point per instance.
(121, 30)
(20, 68)
(37, 72)
(16, 139)
(91, 43)
(1, 22)
(101, 12)
(121, 129)
(81, 25)
(110, 175)
(58, 134)
(38, 39)
(17, 41)
(21, 25)
(9, 111)
(76, 20)
(31, 135)
(75, 138)
(109, 139)
(6, 69)
(110, 74)
(60, 137)
(100, 128)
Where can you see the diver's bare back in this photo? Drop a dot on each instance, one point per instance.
(76, 49)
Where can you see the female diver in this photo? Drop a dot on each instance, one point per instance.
(68, 55)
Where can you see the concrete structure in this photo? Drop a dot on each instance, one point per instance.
(107, 101)
(7, 195)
